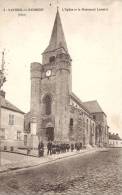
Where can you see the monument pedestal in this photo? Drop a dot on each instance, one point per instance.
(34, 141)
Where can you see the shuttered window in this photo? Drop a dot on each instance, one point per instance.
(11, 119)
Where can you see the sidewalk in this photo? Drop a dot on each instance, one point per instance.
(25, 161)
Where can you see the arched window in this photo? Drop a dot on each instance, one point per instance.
(94, 116)
(93, 129)
(47, 102)
(71, 122)
(87, 125)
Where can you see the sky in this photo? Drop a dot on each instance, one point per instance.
(93, 38)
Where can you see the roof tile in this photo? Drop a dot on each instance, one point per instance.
(6, 104)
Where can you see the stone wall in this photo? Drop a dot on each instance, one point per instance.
(101, 129)
(83, 129)
(12, 129)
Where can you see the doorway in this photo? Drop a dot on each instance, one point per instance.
(50, 133)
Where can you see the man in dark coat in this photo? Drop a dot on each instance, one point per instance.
(49, 148)
(72, 147)
(41, 149)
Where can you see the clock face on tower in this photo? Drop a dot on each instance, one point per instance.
(48, 73)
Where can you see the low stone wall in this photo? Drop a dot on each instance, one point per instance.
(11, 144)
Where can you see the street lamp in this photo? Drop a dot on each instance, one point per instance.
(2, 81)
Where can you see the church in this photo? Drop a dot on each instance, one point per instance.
(56, 113)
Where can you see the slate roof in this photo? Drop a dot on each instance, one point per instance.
(93, 106)
(7, 105)
(77, 100)
(57, 39)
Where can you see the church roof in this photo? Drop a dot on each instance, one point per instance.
(57, 39)
(77, 100)
(7, 105)
(93, 106)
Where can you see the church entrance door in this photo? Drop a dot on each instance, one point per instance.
(50, 133)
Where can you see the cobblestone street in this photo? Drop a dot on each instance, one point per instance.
(98, 173)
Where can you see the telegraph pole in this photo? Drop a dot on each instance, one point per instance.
(2, 80)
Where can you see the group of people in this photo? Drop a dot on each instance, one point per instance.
(54, 148)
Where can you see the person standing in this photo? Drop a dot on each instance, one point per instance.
(49, 148)
(72, 147)
(41, 149)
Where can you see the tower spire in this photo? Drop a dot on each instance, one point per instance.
(57, 4)
(57, 39)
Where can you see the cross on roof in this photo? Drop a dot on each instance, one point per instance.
(57, 2)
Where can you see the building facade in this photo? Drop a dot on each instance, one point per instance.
(56, 113)
(114, 143)
(114, 140)
(12, 124)
(102, 129)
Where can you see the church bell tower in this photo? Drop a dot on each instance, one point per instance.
(51, 88)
